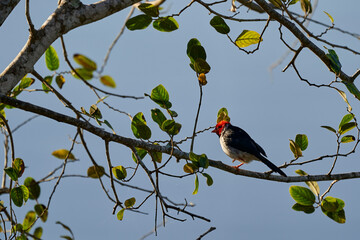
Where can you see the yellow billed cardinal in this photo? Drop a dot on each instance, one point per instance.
(238, 145)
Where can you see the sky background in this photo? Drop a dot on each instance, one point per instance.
(271, 106)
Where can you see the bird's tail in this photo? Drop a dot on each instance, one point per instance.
(272, 166)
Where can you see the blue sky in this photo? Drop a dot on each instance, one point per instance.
(271, 106)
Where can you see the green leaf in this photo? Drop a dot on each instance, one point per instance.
(302, 195)
(84, 73)
(149, 9)
(60, 81)
(17, 196)
(120, 214)
(48, 80)
(220, 25)
(156, 156)
(29, 220)
(193, 42)
(95, 112)
(171, 127)
(12, 173)
(247, 38)
(24, 83)
(95, 171)
(51, 59)
(313, 185)
(302, 208)
(19, 166)
(25, 192)
(347, 139)
(201, 66)
(62, 154)
(33, 187)
(38, 232)
(141, 152)
(196, 185)
(158, 116)
(347, 127)
(119, 172)
(209, 180)
(302, 141)
(331, 204)
(190, 168)
(306, 6)
(39, 209)
(139, 22)
(161, 96)
(108, 81)
(130, 202)
(139, 127)
(335, 64)
(165, 24)
(331, 18)
(109, 125)
(195, 52)
(347, 118)
(203, 161)
(223, 115)
(329, 128)
(85, 62)
(338, 216)
(295, 149)
(18, 227)
(194, 157)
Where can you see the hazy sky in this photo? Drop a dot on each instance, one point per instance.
(271, 106)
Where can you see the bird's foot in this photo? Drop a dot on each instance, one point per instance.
(237, 166)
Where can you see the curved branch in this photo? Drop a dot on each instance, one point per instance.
(131, 143)
(6, 8)
(305, 41)
(65, 18)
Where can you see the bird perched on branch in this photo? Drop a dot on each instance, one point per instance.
(238, 145)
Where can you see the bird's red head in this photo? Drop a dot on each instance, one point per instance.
(219, 127)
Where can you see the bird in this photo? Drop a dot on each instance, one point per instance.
(238, 145)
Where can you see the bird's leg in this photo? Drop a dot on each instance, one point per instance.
(237, 166)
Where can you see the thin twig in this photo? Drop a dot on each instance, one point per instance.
(196, 119)
(118, 203)
(207, 232)
(116, 39)
(328, 190)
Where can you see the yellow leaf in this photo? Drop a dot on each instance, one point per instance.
(108, 81)
(247, 38)
(62, 154)
(331, 18)
(85, 62)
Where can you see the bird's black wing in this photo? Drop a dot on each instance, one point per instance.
(239, 139)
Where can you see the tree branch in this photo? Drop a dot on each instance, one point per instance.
(65, 18)
(6, 8)
(131, 143)
(305, 42)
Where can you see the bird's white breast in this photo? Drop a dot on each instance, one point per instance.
(236, 154)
